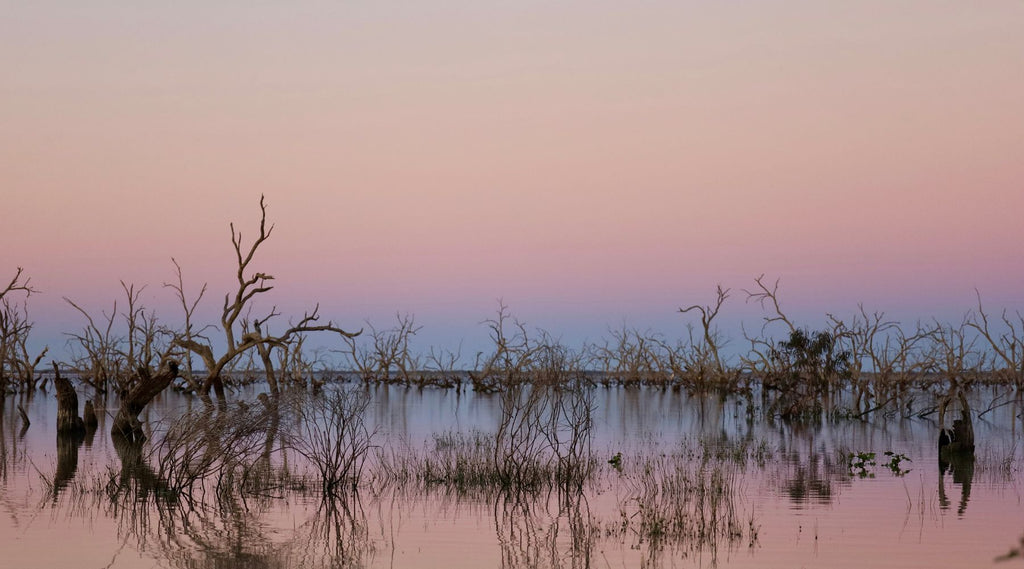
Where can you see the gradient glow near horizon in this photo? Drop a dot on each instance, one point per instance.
(591, 163)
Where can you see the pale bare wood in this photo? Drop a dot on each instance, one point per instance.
(241, 334)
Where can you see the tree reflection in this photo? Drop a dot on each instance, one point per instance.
(225, 521)
(67, 460)
(530, 536)
(232, 530)
(961, 466)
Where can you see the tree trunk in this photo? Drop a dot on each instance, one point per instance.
(214, 382)
(68, 421)
(126, 423)
(268, 364)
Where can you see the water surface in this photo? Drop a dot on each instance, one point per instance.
(791, 497)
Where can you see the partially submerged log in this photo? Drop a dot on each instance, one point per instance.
(126, 423)
(68, 421)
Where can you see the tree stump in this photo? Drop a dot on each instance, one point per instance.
(89, 416)
(126, 423)
(68, 421)
(960, 438)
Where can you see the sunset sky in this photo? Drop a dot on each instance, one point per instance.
(594, 164)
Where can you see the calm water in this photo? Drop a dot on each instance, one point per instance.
(793, 500)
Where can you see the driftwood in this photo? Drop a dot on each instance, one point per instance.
(126, 423)
(68, 421)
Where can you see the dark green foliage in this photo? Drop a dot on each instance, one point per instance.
(895, 464)
(807, 367)
(860, 463)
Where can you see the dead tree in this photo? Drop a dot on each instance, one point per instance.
(146, 388)
(240, 334)
(390, 352)
(145, 338)
(1008, 346)
(188, 333)
(100, 357)
(15, 361)
(17, 284)
(860, 339)
(957, 359)
(711, 337)
(759, 359)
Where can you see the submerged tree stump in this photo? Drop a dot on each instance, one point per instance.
(126, 423)
(68, 421)
(960, 438)
(89, 416)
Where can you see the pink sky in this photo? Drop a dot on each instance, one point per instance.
(589, 162)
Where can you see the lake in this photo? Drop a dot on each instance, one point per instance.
(672, 480)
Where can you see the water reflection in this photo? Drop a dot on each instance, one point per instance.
(67, 460)
(530, 535)
(337, 536)
(961, 466)
(698, 478)
(234, 530)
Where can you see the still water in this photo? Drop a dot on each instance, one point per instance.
(792, 498)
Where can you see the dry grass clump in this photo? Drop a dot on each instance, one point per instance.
(543, 440)
(676, 502)
(333, 436)
(208, 446)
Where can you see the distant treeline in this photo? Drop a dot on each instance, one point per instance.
(874, 359)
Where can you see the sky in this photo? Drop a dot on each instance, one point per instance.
(592, 164)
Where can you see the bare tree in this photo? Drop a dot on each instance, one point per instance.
(859, 338)
(711, 336)
(1007, 347)
(18, 285)
(954, 354)
(389, 352)
(513, 355)
(769, 296)
(241, 334)
(759, 358)
(97, 348)
(146, 341)
(15, 360)
(441, 363)
(188, 333)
